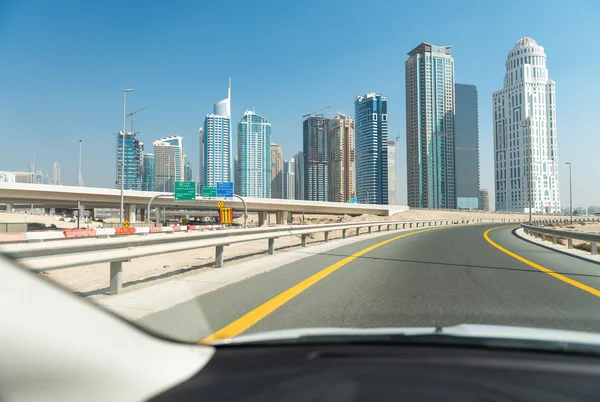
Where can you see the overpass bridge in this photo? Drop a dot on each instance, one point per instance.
(52, 196)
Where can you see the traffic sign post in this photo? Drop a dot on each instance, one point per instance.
(225, 189)
(185, 190)
(209, 192)
(225, 215)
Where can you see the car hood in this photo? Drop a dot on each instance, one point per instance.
(477, 331)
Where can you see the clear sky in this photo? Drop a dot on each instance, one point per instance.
(64, 65)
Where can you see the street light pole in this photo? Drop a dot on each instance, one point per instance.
(123, 151)
(397, 200)
(200, 132)
(80, 176)
(570, 193)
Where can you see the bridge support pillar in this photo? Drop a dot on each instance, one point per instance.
(9, 207)
(290, 218)
(130, 212)
(143, 214)
(281, 217)
(116, 277)
(262, 218)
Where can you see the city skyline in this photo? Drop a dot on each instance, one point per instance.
(177, 111)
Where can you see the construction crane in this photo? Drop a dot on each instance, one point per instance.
(313, 113)
(130, 115)
(341, 114)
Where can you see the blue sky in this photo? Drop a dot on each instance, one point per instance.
(65, 64)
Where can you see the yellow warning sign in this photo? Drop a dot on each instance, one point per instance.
(126, 223)
(220, 204)
(225, 215)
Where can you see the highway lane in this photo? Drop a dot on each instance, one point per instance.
(442, 276)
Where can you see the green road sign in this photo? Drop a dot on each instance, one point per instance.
(209, 191)
(185, 190)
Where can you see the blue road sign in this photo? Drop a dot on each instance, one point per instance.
(225, 189)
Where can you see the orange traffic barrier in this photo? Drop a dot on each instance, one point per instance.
(176, 228)
(155, 229)
(124, 231)
(79, 233)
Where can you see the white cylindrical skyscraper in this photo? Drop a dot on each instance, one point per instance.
(525, 148)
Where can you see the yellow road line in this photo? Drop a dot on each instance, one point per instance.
(248, 320)
(558, 276)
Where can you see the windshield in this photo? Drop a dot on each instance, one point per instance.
(208, 171)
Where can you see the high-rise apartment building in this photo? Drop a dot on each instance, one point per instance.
(56, 173)
(466, 126)
(299, 176)
(148, 173)
(133, 161)
(316, 165)
(168, 163)
(371, 151)
(392, 169)
(484, 199)
(340, 156)
(276, 171)
(215, 144)
(187, 169)
(430, 127)
(289, 179)
(253, 176)
(525, 148)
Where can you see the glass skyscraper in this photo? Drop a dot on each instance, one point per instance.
(371, 154)
(467, 146)
(289, 179)
(133, 161)
(316, 164)
(253, 176)
(187, 169)
(168, 163)
(215, 144)
(148, 173)
(430, 152)
(299, 176)
(276, 171)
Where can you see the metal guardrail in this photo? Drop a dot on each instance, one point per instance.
(70, 253)
(538, 231)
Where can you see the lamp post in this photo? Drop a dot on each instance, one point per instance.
(123, 150)
(200, 134)
(80, 176)
(570, 193)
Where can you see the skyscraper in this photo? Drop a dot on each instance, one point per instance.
(371, 149)
(430, 127)
(133, 161)
(466, 124)
(56, 173)
(392, 182)
(148, 173)
(254, 156)
(299, 176)
(484, 199)
(168, 163)
(187, 169)
(525, 149)
(276, 171)
(289, 179)
(340, 155)
(316, 167)
(215, 144)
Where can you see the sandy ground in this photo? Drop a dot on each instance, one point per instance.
(46, 220)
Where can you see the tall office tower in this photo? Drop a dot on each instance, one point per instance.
(24, 177)
(276, 171)
(56, 173)
(148, 173)
(525, 148)
(187, 169)
(168, 163)
(289, 179)
(299, 176)
(133, 161)
(392, 169)
(466, 125)
(215, 144)
(371, 151)
(430, 127)
(254, 156)
(235, 175)
(39, 177)
(316, 166)
(340, 154)
(484, 199)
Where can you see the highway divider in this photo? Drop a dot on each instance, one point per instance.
(68, 253)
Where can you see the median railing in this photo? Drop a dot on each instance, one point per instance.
(539, 231)
(60, 254)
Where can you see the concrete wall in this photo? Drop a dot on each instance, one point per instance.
(10, 227)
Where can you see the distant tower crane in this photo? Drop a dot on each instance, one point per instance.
(314, 113)
(130, 115)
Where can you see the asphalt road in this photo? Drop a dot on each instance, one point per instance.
(443, 276)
